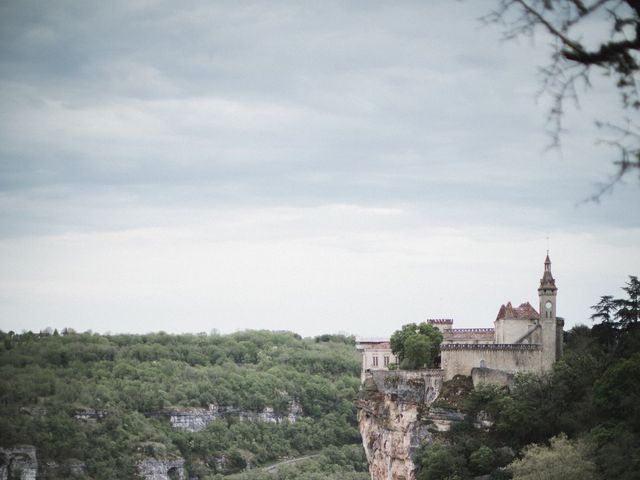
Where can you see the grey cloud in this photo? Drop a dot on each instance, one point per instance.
(279, 103)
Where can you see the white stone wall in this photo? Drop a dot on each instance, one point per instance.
(517, 358)
(379, 353)
(508, 330)
(468, 335)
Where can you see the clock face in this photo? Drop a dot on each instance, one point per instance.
(548, 305)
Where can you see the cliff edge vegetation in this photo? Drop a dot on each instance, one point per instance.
(580, 421)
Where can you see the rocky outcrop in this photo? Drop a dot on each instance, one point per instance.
(161, 468)
(89, 414)
(191, 419)
(196, 419)
(394, 417)
(70, 468)
(18, 463)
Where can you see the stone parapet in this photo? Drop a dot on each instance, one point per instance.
(468, 335)
(491, 346)
(470, 330)
(440, 321)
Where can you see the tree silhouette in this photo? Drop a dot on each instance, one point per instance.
(586, 36)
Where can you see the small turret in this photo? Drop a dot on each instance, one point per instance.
(547, 282)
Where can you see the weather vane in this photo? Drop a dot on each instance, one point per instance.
(547, 244)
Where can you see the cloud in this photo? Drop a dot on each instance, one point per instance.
(261, 163)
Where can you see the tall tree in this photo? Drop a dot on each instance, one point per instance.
(416, 345)
(628, 313)
(604, 309)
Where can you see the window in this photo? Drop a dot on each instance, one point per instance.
(375, 361)
(386, 360)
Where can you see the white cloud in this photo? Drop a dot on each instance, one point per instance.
(313, 167)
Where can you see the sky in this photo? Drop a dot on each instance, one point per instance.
(320, 167)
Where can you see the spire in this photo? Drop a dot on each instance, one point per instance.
(547, 281)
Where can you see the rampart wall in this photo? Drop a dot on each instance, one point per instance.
(468, 335)
(460, 359)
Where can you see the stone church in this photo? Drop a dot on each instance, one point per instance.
(522, 339)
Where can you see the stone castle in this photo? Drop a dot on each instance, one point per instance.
(522, 339)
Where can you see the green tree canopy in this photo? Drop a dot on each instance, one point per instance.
(622, 312)
(438, 462)
(562, 460)
(416, 345)
(617, 393)
(628, 313)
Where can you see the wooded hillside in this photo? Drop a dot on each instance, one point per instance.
(102, 400)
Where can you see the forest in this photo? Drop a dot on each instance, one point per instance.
(127, 381)
(95, 405)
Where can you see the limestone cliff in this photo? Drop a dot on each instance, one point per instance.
(197, 419)
(18, 463)
(394, 417)
(161, 468)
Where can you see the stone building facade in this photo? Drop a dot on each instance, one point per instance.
(376, 354)
(522, 339)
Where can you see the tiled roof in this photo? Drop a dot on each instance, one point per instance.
(439, 321)
(524, 312)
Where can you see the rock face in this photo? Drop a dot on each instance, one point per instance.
(161, 469)
(394, 417)
(89, 414)
(196, 419)
(18, 463)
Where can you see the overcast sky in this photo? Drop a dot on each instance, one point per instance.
(342, 166)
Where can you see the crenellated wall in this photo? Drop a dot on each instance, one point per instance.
(468, 335)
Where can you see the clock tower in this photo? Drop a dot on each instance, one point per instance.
(548, 322)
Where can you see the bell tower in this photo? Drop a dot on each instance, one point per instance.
(548, 322)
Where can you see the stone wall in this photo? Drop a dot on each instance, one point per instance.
(376, 356)
(468, 335)
(508, 330)
(483, 376)
(460, 359)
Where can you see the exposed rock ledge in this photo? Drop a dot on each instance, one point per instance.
(161, 469)
(196, 419)
(394, 416)
(18, 463)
